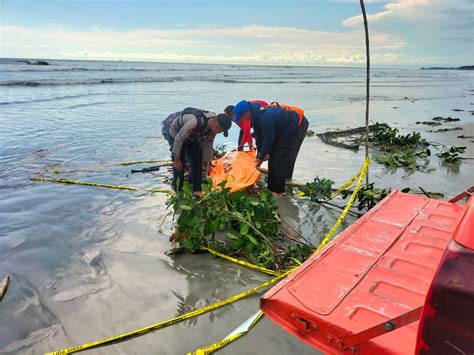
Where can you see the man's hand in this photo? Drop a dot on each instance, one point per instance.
(177, 165)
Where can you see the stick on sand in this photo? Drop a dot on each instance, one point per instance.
(4, 286)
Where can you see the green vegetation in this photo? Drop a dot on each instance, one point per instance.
(451, 155)
(250, 226)
(310, 133)
(400, 150)
(387, 139)
(403, 158)
(368, 196)
(318, 190)
(219, 151)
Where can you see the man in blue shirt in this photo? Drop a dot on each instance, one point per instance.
(278, 134)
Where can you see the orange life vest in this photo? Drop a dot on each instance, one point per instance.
(299, 111)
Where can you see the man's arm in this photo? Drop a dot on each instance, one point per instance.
(267, 125)
(207, 146)
(190, 122)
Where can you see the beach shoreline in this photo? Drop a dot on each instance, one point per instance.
(90, 263)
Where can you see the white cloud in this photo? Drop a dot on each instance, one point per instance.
(439, 14)
(400, 34)
(302, 57)
(402, 8)
(253, 43)
(433, 31)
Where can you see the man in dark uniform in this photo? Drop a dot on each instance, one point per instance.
(279, 134)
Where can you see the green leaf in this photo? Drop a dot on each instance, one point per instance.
(244, 229)
(252, 239)
(187, 243)
(232, 236)
(186, 207)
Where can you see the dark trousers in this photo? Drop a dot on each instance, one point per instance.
(303, 129)
(280, 160)
(241, 134)
(193, 152)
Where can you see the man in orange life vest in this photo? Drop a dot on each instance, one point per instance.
(245, 136)
(279, 134)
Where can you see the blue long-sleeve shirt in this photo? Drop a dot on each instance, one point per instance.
(270, 123)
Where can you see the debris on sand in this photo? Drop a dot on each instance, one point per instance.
(4, 286)
(447, 119)
(446, 129)
(429, 123)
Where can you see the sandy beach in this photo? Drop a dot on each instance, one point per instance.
(88, 263)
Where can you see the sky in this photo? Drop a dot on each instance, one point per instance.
(297, 32)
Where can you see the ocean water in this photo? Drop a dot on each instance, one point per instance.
(88, 263)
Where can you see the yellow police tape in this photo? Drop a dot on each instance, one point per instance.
(170, 321)
(236, 334)
(212, 348)
(127, 163)
(362, 174)
(65, 181)
(241, 262)
(346, 185)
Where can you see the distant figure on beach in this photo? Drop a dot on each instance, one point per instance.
(279, 133)
(190, 133)
(245, 136)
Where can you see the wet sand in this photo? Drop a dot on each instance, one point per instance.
(125, 281)
(88, 263)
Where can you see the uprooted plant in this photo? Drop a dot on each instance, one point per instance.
(403, 158)
(368, 196)
(399, 150)
(452, 154)
(318, 190)
(250, 226)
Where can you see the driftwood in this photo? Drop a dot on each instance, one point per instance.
(330, 137)
(4, 286)
(151, 168)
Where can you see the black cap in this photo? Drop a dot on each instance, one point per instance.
(225, 122)
(229, 110)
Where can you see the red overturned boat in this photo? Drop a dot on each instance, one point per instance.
(398, 281)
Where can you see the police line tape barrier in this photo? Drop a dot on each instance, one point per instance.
(169, 322)
(362, 174)
(128, 163)
(241, 262)
(66, 181)
(236, 334)
(347, 184)
(243, 329)
(239, 332)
